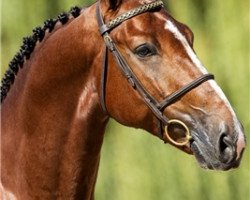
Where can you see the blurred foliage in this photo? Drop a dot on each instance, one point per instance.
(135, 165)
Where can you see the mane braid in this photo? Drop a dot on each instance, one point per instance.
(28, 47)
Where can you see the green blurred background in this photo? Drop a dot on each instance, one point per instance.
(135, 165)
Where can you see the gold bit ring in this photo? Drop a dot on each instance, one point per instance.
(185, 140)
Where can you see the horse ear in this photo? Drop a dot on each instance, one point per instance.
(113, 4)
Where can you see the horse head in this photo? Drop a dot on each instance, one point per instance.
(158, 52)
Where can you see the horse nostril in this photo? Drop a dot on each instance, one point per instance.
(226, 148)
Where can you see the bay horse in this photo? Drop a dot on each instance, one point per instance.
(125, 59)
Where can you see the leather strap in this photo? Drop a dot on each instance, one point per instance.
(104, 80)
(172, 98)
(103, 28)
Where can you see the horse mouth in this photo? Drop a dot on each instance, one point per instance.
(207, 161)
(200, 157)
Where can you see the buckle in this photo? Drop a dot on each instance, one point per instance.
(109, 42)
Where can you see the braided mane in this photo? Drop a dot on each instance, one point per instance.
(28, 46)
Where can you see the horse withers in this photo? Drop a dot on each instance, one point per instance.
(129, 60)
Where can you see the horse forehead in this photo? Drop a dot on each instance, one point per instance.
(146, 23)
(157, 21)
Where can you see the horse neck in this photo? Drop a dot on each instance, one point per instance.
(53, 117)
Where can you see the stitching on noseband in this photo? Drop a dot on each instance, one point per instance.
(28, 46)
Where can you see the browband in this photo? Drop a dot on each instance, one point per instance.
(103, 28)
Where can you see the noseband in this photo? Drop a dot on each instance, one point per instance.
(156, 107)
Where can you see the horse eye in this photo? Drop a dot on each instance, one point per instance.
(145, 50)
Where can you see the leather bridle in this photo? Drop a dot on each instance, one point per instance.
(156, 107)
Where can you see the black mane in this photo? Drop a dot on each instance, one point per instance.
(28, 46)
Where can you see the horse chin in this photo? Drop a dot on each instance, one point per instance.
(208, 162)
(200, 157)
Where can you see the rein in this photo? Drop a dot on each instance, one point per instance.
(156, 107)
